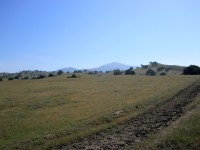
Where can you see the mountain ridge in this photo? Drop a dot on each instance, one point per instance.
(103, 68)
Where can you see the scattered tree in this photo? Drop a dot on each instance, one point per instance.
(10, 78)
(41, 76)
(16, 77)
(51, 75)
(93, 72)
(154, 63)
(130, 71)
(78, 71)
(60, 72)
(117, 72)
(25, 78)
(163, 73)
(160, 68)
(150, 72)
(145, 66)
(73, 76)
(192, 70)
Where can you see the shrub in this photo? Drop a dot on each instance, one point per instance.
(73, 76)
(154, 63)
(145, 66)
(130, 71)
(93, 72)
(51, 75)
(25, 78)
(79, 71)
(60, 72)
(41, 76)
(1, 79)
(150, 72)
(168, 68)
(16, 77)
(192, 70)
(160, 68)
(163, 73)
(117, 72)
(10, 78)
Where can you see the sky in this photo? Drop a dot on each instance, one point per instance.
(53, 34)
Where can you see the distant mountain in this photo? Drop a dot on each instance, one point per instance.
(104, 68)
(112, 66)
(69, 69)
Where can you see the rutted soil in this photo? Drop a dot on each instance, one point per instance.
(139, 127)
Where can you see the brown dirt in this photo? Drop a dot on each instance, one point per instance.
(136, 129)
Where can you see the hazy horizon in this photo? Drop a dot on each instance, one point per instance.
(48, 35)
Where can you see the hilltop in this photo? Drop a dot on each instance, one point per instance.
(160, 68)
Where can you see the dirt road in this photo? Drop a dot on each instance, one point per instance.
(139, 127)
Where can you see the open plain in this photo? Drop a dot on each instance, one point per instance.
(45, 113)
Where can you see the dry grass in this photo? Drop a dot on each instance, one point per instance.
(36, 108)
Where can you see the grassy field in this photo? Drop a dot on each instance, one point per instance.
(47, 112)
(183, 134)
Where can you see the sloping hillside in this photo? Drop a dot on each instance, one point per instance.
(160, 68)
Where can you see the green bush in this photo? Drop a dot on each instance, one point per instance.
(1, 79)
(51, 75)
(73, 76)
(145, 66)
(25, 78)
(154, 63)
(160, 68)
(60, 72)
(163, 73)
(192, 70)
(16, 77)
(117, 72)
(41, 76)
(150, 72)
(10, 78)
(130, 71)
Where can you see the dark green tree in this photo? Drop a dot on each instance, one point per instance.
(154, 63)
(150, 72)
(60, 72)
(26, 78)
(51, 75)
(192, 70)
(74, 76)
(130, 71)
(163, 73)
(117, 72)
(41, 76)
(145, 66)
(10, 78)
(160, 68)
(16, 77)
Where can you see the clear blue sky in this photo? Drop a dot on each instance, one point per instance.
(52, 34)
